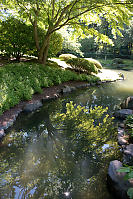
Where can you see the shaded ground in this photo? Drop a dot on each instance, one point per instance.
(5, 60)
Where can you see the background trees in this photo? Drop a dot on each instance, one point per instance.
(80, 14)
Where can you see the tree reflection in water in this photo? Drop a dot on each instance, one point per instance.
(58, 155)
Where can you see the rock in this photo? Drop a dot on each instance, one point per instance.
(66, 89)
(116, 182)
(123, 113)
(83, 85)
(32, 106)
(121, 138)
(93, 84)
(128, 154)
(120, 132)
(127, 103)
(99, 83)
(121, 125)
(50, 98)
(122, 141)
(73, 88)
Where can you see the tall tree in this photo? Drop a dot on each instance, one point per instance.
(54, 14)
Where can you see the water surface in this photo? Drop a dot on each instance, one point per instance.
(38, 162)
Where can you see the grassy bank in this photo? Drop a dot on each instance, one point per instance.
(19, 81)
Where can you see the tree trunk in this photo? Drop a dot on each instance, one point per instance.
(36, 35)
(43, 54)
(18, 57)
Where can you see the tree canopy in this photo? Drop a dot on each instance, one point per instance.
(82, 15)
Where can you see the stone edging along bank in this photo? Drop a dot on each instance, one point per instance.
(8, 117)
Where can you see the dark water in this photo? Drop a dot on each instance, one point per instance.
(38, 162)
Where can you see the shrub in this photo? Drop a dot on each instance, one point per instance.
(129, 126)
(55, 45)
(95, 62)
(83, 65)
(118, 61)
(16, 38)
(20, 81)
(87, 127)
(66, 57)
(129, 121)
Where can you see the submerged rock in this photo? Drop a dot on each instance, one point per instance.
(32, 106)
(116, 182)
(67, 89)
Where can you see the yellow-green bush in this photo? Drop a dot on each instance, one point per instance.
(82, 65)
(95, 62)
(65, 57)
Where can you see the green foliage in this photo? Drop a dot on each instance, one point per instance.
(20, 81)
(55, 45)
(130, 193)
(65, 57)
(129, 121)
(87, 127)
(82, 64)
(129, 125)
(88, 46)
(70, 43)
(16, 38)
(95, 62)
(83, 16)
(117, 61)
(129, 175)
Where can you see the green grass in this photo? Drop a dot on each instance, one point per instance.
(19, 81)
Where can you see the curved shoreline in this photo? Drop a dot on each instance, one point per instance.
(8, 117)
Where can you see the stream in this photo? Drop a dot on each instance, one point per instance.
(36, 162)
